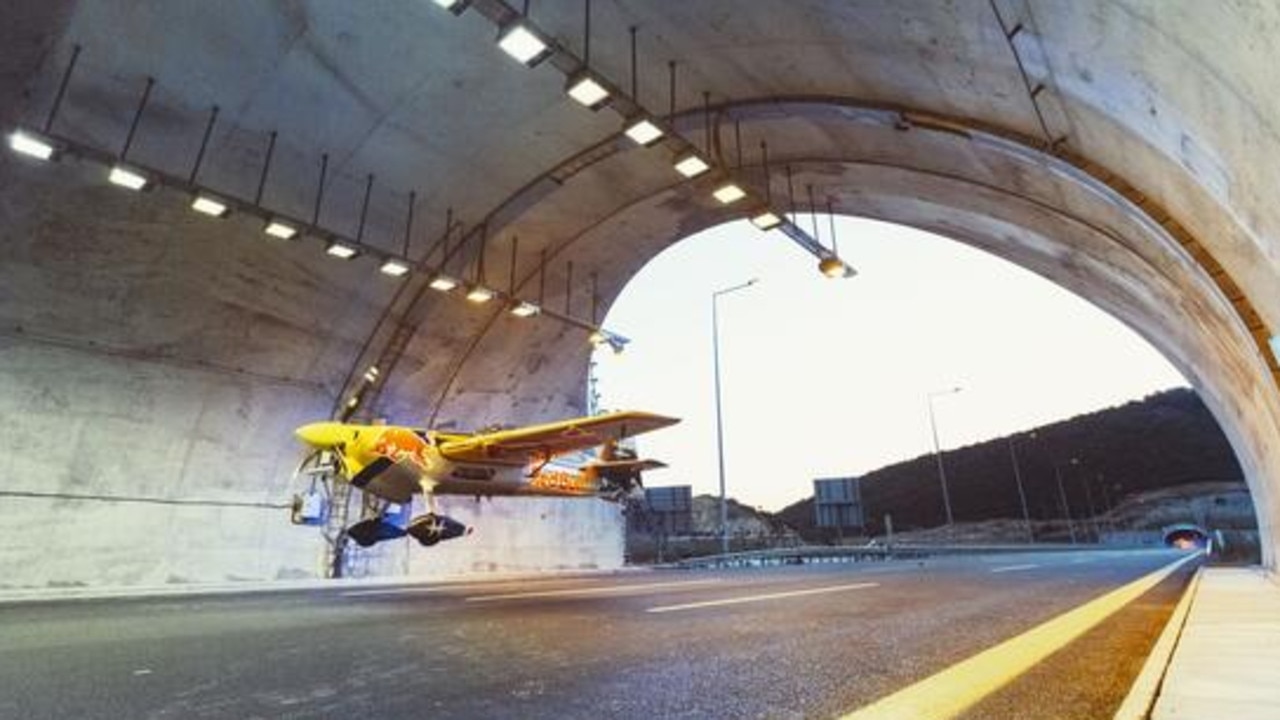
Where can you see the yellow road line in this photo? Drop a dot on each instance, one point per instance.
(761, 598)
(609, 589)
(954, 690)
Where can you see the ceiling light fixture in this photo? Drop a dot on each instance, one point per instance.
(31, 145)
(729, 193)
(521, 43)
(525, 309)
(588, 91)
(341, 251)
(643, 131)
(281, 230)
(394, 268)
(443, 283)
(691, 165)
(454, 6)
(128, 178)
(480, 294)
(209, 205)
(766, 220)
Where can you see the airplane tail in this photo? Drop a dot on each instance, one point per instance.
(620, 478)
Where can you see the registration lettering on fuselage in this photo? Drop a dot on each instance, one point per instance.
(563, 480)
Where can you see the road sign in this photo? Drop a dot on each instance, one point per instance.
(837, 503)
(669, 509)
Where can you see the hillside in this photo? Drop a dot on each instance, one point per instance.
(1165, 440)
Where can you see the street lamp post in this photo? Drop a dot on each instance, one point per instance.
(1022, 495)
(1062, 495)
(937, 451)
(715, 353)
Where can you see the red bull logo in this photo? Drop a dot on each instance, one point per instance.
(399, 444)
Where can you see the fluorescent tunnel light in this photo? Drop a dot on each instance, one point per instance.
(127, 178)
(642, 131)
(31, 145)
(522, 44)
(209, 205)
(587, 90)
(691, 165)
(525, 309)
(341, 251)
(442, 283)
(394, 268)
(480, 294)
(281, 230)
(729, 193)
(453, 6)
(766, 220)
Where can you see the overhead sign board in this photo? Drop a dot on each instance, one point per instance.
(837, 503)
(669, 509)
(672, 499)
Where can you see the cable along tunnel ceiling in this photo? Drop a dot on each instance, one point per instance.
(1171, 96)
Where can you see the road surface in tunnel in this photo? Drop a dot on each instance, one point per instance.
(807, 641)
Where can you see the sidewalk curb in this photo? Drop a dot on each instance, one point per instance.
(1141, 699)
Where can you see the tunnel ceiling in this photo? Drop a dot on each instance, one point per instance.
(1122, 165)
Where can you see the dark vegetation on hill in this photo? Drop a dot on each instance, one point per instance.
(1165, 440)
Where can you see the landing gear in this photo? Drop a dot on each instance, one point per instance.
(428, 530)
(367, 533)
(432, 528)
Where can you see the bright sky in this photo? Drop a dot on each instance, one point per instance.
(828, 378)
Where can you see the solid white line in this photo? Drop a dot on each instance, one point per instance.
(951, 691)
(1013, 568)
(760, 598)
(411, 590)
(610, 589)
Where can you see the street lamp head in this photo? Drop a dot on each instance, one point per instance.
(735, 288)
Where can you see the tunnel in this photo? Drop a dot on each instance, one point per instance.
(155, 361)
(1185, 536)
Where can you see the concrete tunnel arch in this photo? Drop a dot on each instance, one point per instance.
(156, 353)
(1056, 219)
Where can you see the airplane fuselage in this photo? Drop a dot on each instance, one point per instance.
(362, 445)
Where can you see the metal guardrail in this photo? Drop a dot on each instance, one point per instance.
(827, 554)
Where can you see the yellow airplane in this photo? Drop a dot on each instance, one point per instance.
(394, 463)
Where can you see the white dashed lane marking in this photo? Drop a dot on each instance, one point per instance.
(1013, 568)
(760, 598)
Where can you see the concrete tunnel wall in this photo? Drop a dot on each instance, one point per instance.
(147, 350)
(154, 367)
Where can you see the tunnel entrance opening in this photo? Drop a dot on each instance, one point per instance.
(836, 378)
(1186, 537)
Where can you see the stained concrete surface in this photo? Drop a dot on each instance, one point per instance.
(1225, 661)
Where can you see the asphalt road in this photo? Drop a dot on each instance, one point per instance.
(811, 641)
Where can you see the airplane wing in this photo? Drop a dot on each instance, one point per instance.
(484, 488)
(539, 442)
